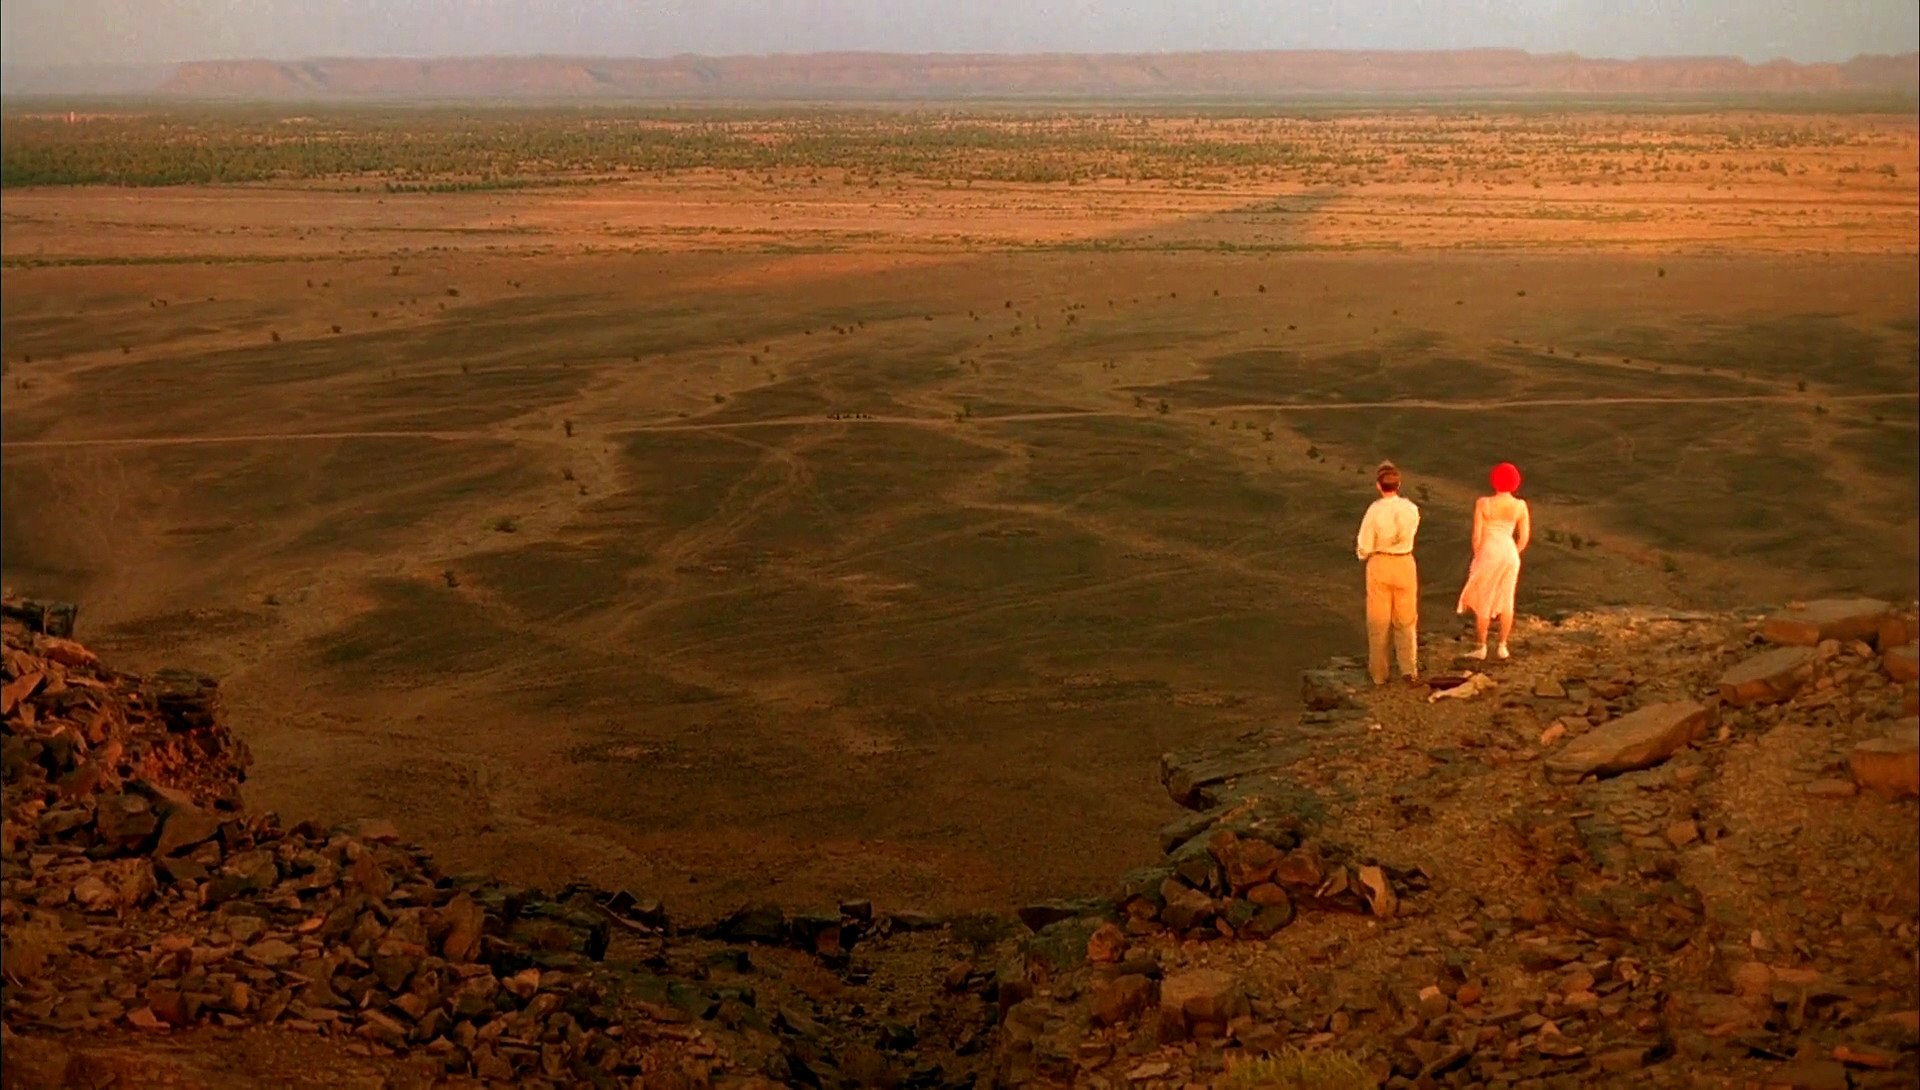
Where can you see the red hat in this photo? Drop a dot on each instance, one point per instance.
(1505, 477)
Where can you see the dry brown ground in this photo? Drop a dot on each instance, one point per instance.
(717, 640)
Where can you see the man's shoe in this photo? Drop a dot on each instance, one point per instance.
(1413, 680)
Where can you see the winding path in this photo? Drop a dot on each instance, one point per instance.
(944, 421)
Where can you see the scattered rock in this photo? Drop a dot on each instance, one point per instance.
(1811, 1075)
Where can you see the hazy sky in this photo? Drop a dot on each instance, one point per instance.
(146, 31)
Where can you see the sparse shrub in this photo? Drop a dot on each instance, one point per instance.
(566, 474)
(1313, 454)
(452, 579)
(453, 293)
(1553, 536)
(505, 524)
(568, 425)
(1266, 434)
(1661, 271)
(464, 369)
(275, 334)
(1139, 402)
(1521, 293)
(1801, 386)
(1669, 565)
(395, 271)
(336, 329)
(719, 399)
(1163, 409)
(1263, 289)
(1292, 1069)
(271, 600)
(125, 350)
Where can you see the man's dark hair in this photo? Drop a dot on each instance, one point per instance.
(1387, 477)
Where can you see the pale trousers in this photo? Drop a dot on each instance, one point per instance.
(1393, 608)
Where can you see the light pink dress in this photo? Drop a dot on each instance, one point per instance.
(1495, 572)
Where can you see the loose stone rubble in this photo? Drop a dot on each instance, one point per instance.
(1650, 849)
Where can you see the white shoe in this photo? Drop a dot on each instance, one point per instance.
(1502, 652)
(1479, 652)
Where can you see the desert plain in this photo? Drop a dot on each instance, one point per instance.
(858, 503)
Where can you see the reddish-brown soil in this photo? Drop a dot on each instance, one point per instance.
(726, 536)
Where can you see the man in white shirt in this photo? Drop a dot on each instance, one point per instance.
(1393, 583)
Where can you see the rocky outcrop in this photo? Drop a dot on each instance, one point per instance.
(1593, 902)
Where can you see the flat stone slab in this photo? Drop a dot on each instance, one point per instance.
(1185, 775)
(1331, 688)
(1840, 619)
(1640, 739)
(1768, 677)
(1902, 663)
(1889, 764)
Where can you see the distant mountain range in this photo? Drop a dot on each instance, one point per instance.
(959, 76)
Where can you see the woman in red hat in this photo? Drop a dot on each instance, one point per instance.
(1501, 530)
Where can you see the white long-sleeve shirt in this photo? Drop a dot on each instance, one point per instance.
(1389, 527)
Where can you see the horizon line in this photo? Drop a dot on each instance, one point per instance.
(1396, 51)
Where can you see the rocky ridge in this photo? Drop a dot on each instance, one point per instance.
(953, 75)
(1656, 845)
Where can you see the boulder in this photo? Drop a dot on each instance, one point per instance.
(1121, 999)
(1889, 764)
(1246, 861)
(1041, 913)
(1198, 998)
(1768, 677)
(1329, 690)
(1107, 944)
(1897, 630)
(184, 827)
(762, 923)
(1186, 908)
(51, 618)
(1902, 662)
(125, 821)
(1639, 739)
(1842, 619)
(1271, 918)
